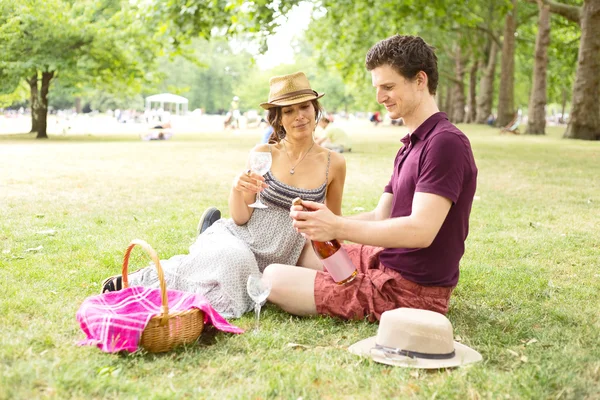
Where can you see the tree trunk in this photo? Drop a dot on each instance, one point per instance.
(448, 101)
(536, 122)
(458, 95)
(78, 105)
(34, 100)
(572, 13)
(439, 97)
(485, 98)
(562, 119)
(43, 107)
(472, 98)
(584, 122)
(506, 108)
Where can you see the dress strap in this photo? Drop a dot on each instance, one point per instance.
(327, 175)
(327, 170)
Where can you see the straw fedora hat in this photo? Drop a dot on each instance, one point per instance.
(409, 337)
(290, 89)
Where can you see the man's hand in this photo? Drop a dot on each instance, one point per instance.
(316, 223)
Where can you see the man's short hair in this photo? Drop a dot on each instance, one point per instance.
(407, 55)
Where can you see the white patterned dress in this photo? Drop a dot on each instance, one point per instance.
(222, 258)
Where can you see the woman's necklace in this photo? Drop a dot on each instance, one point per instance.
(293, 169)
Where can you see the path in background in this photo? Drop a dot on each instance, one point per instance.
(86, 124)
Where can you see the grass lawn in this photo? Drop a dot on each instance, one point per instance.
(528, 298)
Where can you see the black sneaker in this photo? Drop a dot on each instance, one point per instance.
(112, 284)
(210, 215)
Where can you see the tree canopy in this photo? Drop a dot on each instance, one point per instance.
(113, 52)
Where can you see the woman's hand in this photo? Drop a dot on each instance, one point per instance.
(249, 182)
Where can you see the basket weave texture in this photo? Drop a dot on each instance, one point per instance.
(167, 330)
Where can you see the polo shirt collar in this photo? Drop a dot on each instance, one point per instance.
(406, 140)
(423, 130)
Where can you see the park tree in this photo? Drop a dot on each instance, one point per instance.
(536, 121)
(484, 33)
(344, 31)
(480, 41)
(472, 94)
(562, 52)
(485, 96)
(112, 43)
(584, 121)
(462, 53)
(551, 80)
(207, 72)
(506, 109)
(182, 20)
(14, 94)
(468, 56)
(198, 32)
(498, 22)
(340, 95)
(103, 44)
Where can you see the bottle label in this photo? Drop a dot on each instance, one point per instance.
(339, 265)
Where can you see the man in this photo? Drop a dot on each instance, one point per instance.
(333, 137)
(408, 248)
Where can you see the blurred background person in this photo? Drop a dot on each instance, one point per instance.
(232, 119)
(375, 118)
(332, 136)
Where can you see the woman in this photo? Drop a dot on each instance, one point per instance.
(224, 255)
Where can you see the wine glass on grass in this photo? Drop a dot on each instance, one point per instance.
(258, 290)
(260, 162)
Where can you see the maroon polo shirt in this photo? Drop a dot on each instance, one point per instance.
(436, 158)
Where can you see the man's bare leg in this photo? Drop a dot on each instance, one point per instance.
(293, 288)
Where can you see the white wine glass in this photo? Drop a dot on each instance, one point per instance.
(258, 290)
(260, 162)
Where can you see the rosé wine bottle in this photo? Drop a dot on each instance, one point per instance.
(334, 258)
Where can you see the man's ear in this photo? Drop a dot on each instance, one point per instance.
(422, 79)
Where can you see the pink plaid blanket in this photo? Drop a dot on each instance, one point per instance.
(115, 321)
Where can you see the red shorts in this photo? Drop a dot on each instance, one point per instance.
(374, 290)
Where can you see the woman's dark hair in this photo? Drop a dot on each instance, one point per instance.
(407, 55)
(274, 118)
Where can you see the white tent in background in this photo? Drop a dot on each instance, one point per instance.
(167, 102)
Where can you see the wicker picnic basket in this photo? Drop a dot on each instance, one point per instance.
(165, 331)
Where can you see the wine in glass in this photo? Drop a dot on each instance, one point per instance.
(258, 290)
(260, 162)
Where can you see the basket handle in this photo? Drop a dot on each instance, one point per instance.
(161, 275)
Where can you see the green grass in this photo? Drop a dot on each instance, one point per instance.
(528, 297)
